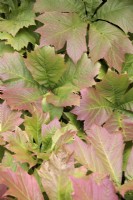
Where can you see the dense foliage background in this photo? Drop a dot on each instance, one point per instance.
(66, 108)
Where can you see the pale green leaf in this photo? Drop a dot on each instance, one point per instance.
(119, 12)
(21, 40)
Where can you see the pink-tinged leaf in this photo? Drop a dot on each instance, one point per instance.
(21, 98)
(61, 28)
(55, 176)
(128, 186)
(21, 184)
(3, 189)
(19, 143)
(13, 70)
(51, 127)
(8, 119)
(122, 124)
(109, 148)
(129, 168)
(85, 155)
(63, 99)
(93, 108)
(55, 5)
(108, 42)
(93, 187)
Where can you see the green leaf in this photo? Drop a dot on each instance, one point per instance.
(128, 66)
(51, 109)
(110, 86)
(21, 40)
(33, 125)
(19, 144)
(46, 66)
(82, 74)
(126, 154)
(119, 12)
(21, 17)
(5, 48)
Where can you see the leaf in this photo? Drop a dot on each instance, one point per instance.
(129, 169)
(110, 88)
(93, 108)
(64, 96)
(9, 119)
(48, 130)
(46, 71)
(18, 143)
(13, 69)
(21, 17)
(51, 127)
(108, 42)
(91, 7)
(55, 176)
(21, 184)
(128, 66)
(3, 189)
(94, 187)
(55, 5)
(82, 74)
(126, 154)
(60, 28)
(51, 109)
(109, 149)
(5, 48)
(102, 153)
(33, 125)
(118, 12)
(128, 186)
(21, 40)
(123, 124)
(20, 98)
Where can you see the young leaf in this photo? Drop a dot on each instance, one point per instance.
(61, 28)
(118, 12)
(21, 184)
(8, 119)
(108, 42)
(33, 125)
(18, 143)
(45, 70)
(94, 187)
